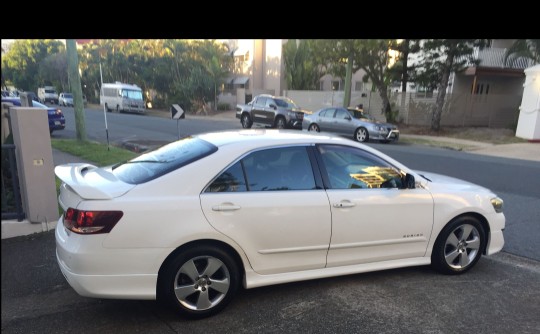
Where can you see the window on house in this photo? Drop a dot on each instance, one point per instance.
(481, 88)
(358, 86)
(336, 85)
(424, 92)
(321, 85)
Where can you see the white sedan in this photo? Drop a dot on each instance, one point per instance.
(193, 221)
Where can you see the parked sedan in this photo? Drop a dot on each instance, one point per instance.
(343, 121)
(195, 220)
(57, 121)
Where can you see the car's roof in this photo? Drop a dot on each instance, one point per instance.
(17, 101)
(253, 139)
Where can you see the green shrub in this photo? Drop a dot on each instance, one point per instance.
(223, 106)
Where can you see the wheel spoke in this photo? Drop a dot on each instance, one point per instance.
(212, 266)
(464, 260)
(474, 244)
(203, 302)
(467, 230)
(450, 257)
(452, 240)
(220, 285)
(190, 270)
(182, 292)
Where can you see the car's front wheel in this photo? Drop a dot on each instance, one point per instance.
(200, 281)
(459, 246)
(361, 135)
(280, 123)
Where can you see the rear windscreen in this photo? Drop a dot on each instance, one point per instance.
(163, 160)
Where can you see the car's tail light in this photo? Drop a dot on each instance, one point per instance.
(58, 112)
(91, 222)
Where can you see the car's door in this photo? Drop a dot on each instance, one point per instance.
(257, 110)
(271, 205)
(343, 122)
(325, 119)
(373, 217)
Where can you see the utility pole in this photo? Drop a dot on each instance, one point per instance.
(76, 90)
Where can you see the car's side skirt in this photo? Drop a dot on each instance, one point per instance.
(254, 280)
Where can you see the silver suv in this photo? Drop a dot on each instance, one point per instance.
(272, 111)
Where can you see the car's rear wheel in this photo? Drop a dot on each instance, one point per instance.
(200, 281)
(361, 135)
(280, 123)
(459, 246)
(107, 107)
(246, 121)
(314, 127)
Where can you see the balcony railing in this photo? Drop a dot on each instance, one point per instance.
(494, 57)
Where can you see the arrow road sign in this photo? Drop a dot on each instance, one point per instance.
(177, 112)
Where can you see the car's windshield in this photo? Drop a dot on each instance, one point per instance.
(286, 103)
(68, 96)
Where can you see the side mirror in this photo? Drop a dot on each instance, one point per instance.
(410, 183)
(273, 106)
(348, 118)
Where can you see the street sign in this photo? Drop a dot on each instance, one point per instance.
(177, 112)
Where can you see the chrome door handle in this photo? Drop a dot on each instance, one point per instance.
(226, 207)
(344, 205)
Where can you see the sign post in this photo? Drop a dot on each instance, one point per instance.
(177, 113)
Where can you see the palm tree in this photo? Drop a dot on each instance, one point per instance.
(523, 48)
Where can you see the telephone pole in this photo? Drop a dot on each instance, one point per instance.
(76, 90)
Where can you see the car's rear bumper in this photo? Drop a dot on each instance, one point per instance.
(94, 271)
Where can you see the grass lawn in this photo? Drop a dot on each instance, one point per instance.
(93, 151)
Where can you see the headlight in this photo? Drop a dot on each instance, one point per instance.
(497, 204)
(381, 129)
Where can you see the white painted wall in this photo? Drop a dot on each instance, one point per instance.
(529, 111)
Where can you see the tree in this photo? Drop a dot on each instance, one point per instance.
(523, 48)
(373, 57)
(20, 65)
(340, 56)
(303, 69)
(215, 59)
(402, 70)
(441, 57)
(54, 67)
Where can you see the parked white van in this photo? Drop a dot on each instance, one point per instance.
(47, 94)
(122, 97)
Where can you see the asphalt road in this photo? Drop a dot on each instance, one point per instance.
(499, 295)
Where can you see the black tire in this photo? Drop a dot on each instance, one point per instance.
(314, 127)
(200, 294)
(107, 107)
(459, 246)
(280, 123)
(361, 135)
(117, 108)
(246, 121)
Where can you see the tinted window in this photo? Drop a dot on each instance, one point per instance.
(342, 114)
(285, 168)
(232, 180)
(327, 113)
(167, 158)
(349, 167)
(260, 102)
